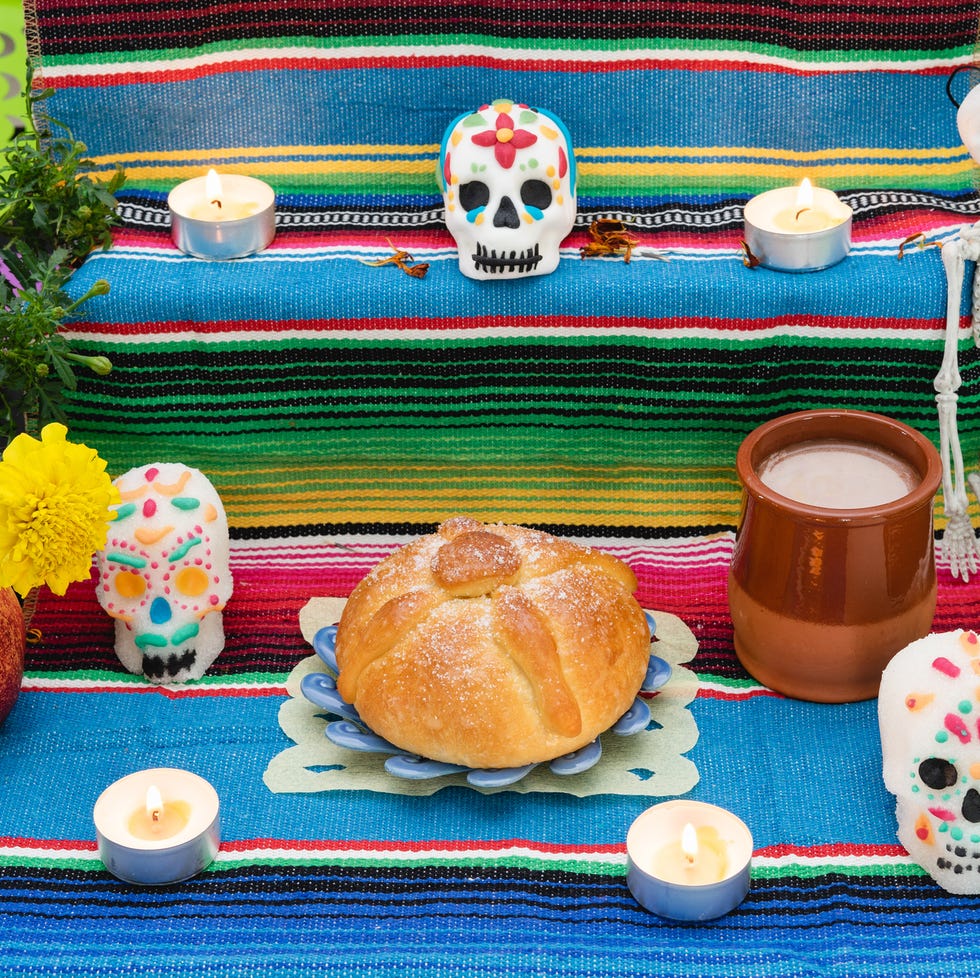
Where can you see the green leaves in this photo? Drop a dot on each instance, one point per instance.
(53, 212)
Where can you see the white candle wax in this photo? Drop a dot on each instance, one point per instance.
(684, 878)
(835, 474)
(222, 216)
(798, 229)
(157, 826)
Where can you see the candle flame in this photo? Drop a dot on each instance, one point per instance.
(804, 194)
(212, 186)
(689, 842)
(154, 803)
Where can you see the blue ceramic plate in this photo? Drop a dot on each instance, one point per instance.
(350, 731)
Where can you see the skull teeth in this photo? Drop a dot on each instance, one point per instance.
(489, 260)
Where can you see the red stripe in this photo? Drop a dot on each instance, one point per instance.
(832, 850)
(527, 62)
(824, 851)
(366, 325)
(423, 846)
(169, 692)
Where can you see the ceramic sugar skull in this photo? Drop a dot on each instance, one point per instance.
(507, 175)
(163, 574)
(929, 715)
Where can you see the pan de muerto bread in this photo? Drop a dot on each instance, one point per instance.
(492, 645)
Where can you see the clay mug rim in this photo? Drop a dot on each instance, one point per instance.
(859, 426)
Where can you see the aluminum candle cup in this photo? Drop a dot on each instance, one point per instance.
(824, 588)
(234, 219)
(788, 234)
(157, 826)
(707, 881)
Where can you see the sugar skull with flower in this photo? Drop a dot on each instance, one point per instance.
(507, 174)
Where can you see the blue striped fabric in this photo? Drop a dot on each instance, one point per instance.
(342, 410)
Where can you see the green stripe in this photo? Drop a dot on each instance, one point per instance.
(809, 871)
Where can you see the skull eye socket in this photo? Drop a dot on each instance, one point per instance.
(129, 584)
(536, 193)
(473, 195)
(191, 581)
(937, 773)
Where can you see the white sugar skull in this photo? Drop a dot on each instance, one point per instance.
(163, 574)
(929, 716)
(507, 175)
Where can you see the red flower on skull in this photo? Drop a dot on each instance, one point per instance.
(505, 140)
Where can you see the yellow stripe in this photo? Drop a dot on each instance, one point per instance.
(268, 152)
(424, 154)
(621, 170)
(818, 174)
(432, 504)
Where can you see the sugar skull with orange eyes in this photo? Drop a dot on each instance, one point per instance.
(164, 575)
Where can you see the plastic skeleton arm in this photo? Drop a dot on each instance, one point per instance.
(960, 541)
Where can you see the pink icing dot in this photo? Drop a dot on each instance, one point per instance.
(151, 473)
(149, 508)
(213, 599)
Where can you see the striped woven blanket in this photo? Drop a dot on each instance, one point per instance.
(341, 409)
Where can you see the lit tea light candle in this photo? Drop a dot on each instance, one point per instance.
(157, 826)
(222, 216)
(688, 860)
(835, 474)
(216, 206)
(156, 820)
(798, 229)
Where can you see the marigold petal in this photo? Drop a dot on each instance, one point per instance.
(55, 499)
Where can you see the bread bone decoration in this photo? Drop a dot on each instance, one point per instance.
(929, 716)
(492, 645)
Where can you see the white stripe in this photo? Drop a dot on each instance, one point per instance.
(398, 855)
(732, 692)
(510, 332)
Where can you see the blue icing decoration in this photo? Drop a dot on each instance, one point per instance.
(125, 511)
(185, 502)
(160, 611)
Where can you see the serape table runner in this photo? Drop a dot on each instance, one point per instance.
(369, 883)
(341, 409)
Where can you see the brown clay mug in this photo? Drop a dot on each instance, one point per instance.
(822, 596)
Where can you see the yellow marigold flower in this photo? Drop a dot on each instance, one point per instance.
(54, 510)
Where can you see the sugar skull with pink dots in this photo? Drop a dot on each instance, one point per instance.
(164, 574)
(929, 717)
(507, 174)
